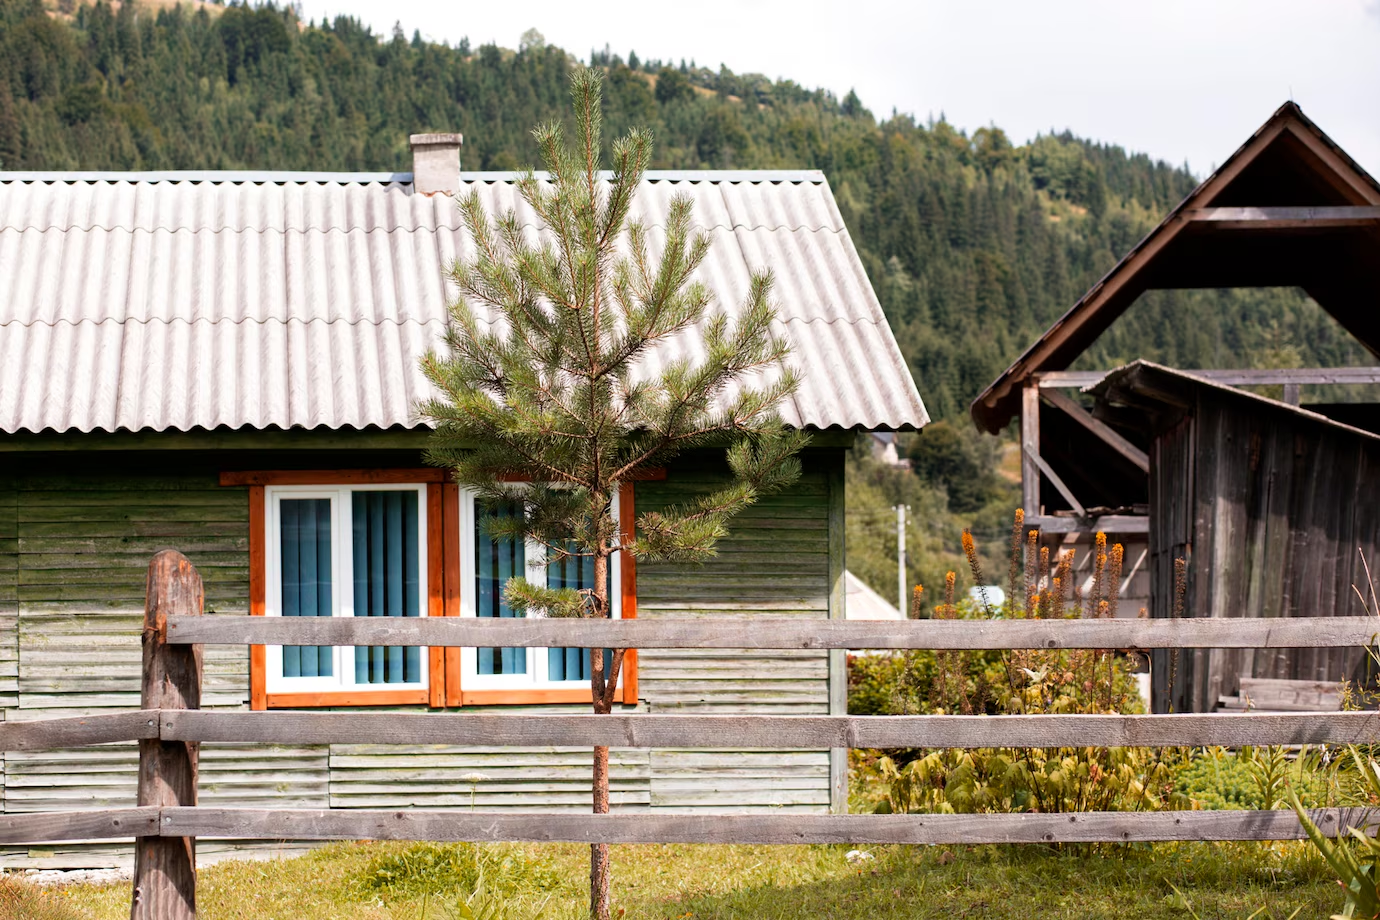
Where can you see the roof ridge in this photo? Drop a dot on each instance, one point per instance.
(332, 321)
(91, 228)
(250, 176)
(227, 321)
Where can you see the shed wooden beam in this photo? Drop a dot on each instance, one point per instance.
(1030, 449)
(1235, 377)
(1064, 490)
(1304, 218)
(1109, 524)
(1101, 429)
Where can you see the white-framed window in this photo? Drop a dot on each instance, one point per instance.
(486, 565)
(343, 551)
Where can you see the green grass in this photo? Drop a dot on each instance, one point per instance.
(395, 881)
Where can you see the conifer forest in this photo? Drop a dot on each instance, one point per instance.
(973, 243)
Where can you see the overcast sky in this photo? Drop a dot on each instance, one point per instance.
(1182, 80)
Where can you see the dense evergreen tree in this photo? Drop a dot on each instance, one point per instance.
(973, 244)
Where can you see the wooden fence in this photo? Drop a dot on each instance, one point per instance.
(166, 820)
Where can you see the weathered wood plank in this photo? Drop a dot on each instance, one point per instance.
(1233, 377)
(1030, 449)
(1283, 218)
(757, 731)
(1085, 827)
(53, 827)
(73, 732)
(165, 865)
(780, 632)
(1139, 458)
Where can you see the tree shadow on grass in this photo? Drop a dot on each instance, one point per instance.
(916, 883)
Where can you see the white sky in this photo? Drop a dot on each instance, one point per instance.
(1178, 79)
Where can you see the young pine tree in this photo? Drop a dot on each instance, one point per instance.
(545, 400)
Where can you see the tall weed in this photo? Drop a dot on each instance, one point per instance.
(1029, 682)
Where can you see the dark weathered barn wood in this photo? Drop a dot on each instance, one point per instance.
(1269, 507)
(1248, 514)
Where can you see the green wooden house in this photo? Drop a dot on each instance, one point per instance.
(227, 364)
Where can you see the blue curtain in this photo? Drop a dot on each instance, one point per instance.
(306, 577)
(496, 561)
(387, 580)
(573, 663)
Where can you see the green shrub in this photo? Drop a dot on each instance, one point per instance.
(1027, 682)
(1258, 778)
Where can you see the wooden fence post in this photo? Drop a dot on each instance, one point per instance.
(165, 867)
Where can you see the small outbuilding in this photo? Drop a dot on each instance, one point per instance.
(227, 364)
(1267, 504)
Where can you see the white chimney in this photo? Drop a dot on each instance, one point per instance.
(436, 163)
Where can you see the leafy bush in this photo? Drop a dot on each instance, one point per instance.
(1355, 860)
(1256, 778)
(1025, 682)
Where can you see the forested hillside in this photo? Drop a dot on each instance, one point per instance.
(973, 245)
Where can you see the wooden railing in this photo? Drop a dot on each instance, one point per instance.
(167, 820)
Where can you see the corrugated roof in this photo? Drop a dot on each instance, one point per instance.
(203, 300)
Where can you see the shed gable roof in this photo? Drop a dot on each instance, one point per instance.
(1288, 163)
(206, 300)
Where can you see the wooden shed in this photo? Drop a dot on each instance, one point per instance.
(1271, 509)
(1289, 208)
(227, 364)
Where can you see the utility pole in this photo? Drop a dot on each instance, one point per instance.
(901, 579)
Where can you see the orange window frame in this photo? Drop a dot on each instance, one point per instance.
(444, 579)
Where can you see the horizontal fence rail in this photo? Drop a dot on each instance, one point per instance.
(170, 728)
(777, 632)
(459, 826)
(698, 731)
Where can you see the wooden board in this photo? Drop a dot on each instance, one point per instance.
(79, 825)
(104, 728)
(1087, 827)
(782, 632)
(773, 732)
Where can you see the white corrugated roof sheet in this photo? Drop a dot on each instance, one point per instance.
(167, 301)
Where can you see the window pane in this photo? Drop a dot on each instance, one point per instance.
(496, 561)
(387, 571)
(306, 557)
(573, 663)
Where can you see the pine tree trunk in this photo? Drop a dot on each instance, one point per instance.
(599, 907)
(599, 852)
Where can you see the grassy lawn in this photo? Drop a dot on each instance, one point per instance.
(376, 881)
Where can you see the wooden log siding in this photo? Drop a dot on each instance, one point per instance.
(74, 551)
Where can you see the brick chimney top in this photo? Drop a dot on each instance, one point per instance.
(436, 163)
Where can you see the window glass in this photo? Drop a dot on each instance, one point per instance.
(573, 663)
(345, 551)
(387, 579)
(497, 559)
(306, 579)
